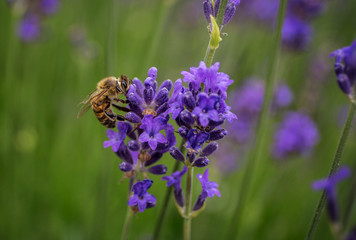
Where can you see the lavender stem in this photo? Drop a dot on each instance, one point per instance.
(187, 204)
(210, 52)
(167, 196)
(334, 166)
(262, 127)
(127, 224)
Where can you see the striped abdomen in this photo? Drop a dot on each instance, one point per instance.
(104, 114)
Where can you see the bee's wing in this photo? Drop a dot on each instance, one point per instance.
(92, 97)
(86, 103)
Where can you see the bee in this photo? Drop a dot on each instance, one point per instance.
(104, 97)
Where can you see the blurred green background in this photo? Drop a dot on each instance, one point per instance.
(56, 179)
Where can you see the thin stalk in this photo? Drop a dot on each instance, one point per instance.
(127, 224)
(209, 55)
(210, 52)
(350, 204)
(188, 204)
(221, 12)
(167, 196)
(256, 154)
(334, 166)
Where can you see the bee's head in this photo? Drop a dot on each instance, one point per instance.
(123, 84)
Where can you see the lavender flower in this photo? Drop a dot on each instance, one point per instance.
(141, 198)
(212, 9)
(116, 138)
(29, 28)
(209, 189)
(345, 68)
(297, 134)
(329, 185)
(296, 33)
(152, 126)
(175, 180)
(48, 6)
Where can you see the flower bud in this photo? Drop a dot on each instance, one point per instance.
(187, 117)
(132, 117)
(217, 134)
(200, 202)
(162, 96)
(158, 169)
(176, 154)
(201, 162)
(189, 100)
(152, 72)
(178, 196)
(209, 149)
(208, 9)
(148, 95)
(154, 158)
(183, 131)
(191, 156)
(132, 145)
(125, 167)
(166, 84)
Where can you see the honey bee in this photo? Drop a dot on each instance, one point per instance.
(104, 97)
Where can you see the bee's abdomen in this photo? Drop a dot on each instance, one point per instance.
(103, 118)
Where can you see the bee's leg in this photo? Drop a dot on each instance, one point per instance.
(110, 114)
(120, 118)
(124, 109)
(123, 101)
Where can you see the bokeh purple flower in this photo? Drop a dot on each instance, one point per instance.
(29, 28)
(296, 134)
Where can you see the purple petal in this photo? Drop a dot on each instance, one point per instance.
(144, 137)
(111, 134)
(160, 138)
(153, 143)
(108, 143)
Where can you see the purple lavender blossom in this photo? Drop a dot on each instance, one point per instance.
(209, 190)
(49, 6)
(29, 28)
(206, 108)
(175, 179)
(152, 126)
(116, 138)
(296, 33)
(329, 185)
(345, 68)
(212, 9)
(141, 198)
(297, 134)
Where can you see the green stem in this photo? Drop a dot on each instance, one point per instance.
(221, 12)
(162, 213)
(350, 204)
(256, 154)
(210, 52)
(334, 166)
(209, 55)
(187, 204)
(127, 224)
